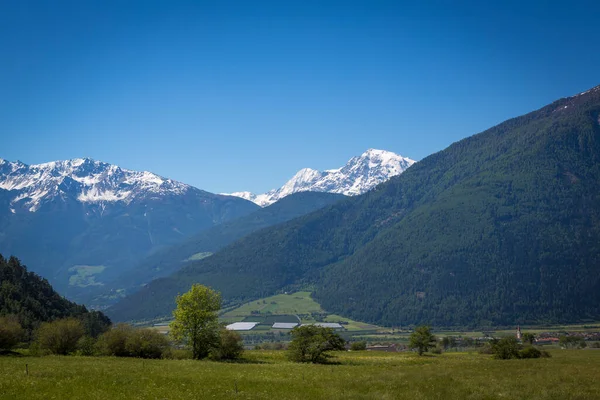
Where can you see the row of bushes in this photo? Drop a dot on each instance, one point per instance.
(67, 337)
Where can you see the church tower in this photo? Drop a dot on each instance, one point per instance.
(518, 332)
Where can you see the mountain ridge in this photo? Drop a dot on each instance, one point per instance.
(358, 175)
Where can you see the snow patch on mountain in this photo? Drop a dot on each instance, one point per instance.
(359, 175)
(83, 179)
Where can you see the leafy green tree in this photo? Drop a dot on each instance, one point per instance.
(196, 320)
(60, 336)
(11, 332)
(146, 343)
(230, 346)
(528, 338)
(357, 346)
(422, 339)
(310, 343)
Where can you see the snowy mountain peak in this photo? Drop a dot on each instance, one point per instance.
(359, 175)
(82, 179)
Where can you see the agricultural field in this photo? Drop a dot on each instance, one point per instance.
(569, 374)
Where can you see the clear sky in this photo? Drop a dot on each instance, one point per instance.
(231, 96)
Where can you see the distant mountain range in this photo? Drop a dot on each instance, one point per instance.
(81, 222)
(359, 175)
(498, 229)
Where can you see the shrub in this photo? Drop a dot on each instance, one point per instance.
(11, 332)
(506, 348)
(357, 346)
(145, 343)
(60, 336)
(86, 346)
(229, 347)
(530, 352)
(311, 343)
(437, 350)
(113, 342)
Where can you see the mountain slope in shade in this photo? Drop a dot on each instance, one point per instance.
(498, 229)
(166, 261)
(359, 175)
(80, 222)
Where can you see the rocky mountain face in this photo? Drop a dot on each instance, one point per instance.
(359, 175)
(79, 222)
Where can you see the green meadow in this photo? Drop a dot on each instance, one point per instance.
(569, 374)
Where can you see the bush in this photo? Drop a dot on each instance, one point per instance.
(530, 352)
(357, 346)
(113, 342)
(437, 350)
(506, 348)
(230, 346)
(311, 343)
(60, 336)
(86, 346)
(11, 332)
(145, 343)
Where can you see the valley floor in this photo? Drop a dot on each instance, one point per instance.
(569, 374)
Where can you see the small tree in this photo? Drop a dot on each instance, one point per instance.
(528, 338)
(196, 320)
(310, 343)
(11, 332)
(422, 339)
(60, 336)
(230, 346)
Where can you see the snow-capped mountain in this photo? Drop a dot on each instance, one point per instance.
(359, 175)
(82, 222)
(83, 179)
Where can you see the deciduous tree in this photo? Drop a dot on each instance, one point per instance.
(196, 320)
(310, 343)
(422, 339)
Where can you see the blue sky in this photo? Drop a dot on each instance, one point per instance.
(231, 96)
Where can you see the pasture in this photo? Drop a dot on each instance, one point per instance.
(569, 374)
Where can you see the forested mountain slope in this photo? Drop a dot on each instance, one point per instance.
(166, 261)
(32, 299)
(499, 228)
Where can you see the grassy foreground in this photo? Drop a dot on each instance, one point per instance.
(569, 374)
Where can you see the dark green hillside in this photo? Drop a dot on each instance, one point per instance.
(32, 299)
(502, 227)
(165, 262)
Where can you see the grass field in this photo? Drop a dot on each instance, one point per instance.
(569, 374)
